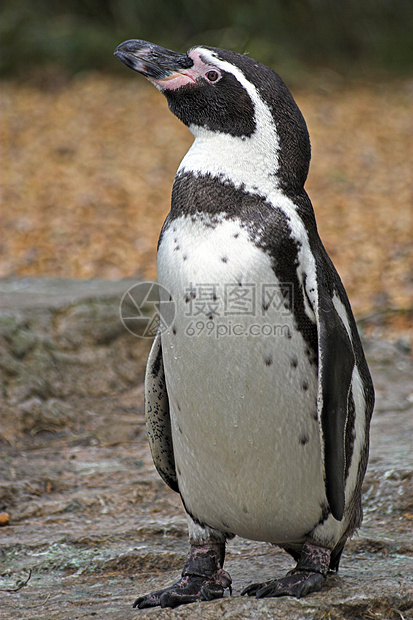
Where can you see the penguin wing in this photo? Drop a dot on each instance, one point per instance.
(158, 422)
(336, 362)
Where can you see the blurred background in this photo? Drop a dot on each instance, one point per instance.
(353, 35)
(89, 149)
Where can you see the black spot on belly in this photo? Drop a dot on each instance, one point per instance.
(304, 440)
(224, 259)
(184, 257)
(288, 333)
(236, 235)
(245, 510)
(268, 360)
(178, 406)
(188, 296)
(224, 524)
(305, 386)
(294, 362)
(214, 297)
(174, 330)
(178, 470)
(265, 305)
(312, 356)
(176, 248)
(271, 231)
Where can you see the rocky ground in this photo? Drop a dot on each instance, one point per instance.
(92, 526)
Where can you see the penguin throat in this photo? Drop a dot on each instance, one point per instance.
(251, 162)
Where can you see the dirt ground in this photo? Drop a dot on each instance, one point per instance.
(92, 525)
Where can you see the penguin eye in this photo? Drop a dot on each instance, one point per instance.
(212, 76)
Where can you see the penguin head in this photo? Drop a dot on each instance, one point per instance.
(220, 91)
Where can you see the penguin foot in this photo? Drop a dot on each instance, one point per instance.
(299, 584)
(203, 579)
(308, 576)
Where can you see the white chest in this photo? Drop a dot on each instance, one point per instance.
(241, 388)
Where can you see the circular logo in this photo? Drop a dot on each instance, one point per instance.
(146, 308)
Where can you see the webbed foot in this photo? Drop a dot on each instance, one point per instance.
(298, 585)
(308, 576)
(203, 579)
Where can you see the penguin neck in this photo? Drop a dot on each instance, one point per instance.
(251, 162)
(247, 162)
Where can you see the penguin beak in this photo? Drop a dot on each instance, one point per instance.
(156, 63)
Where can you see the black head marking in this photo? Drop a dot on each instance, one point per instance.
(203, 92)
(224, 107)
(295, 149)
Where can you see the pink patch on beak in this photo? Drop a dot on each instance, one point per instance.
(175, 80)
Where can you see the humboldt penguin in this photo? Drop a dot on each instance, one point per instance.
(258, 395)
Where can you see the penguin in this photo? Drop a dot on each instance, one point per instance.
(258, 397)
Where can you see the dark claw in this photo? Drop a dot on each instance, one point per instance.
(203, 579)
(150, 600)
(308, 576)
(298, 584)
(186, 590)
(211, 592)
(253, 588)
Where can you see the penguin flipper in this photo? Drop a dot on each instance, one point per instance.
(158, 422)
(336, 362)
